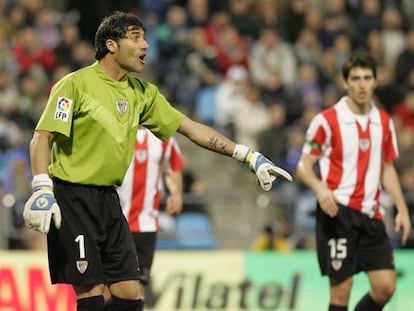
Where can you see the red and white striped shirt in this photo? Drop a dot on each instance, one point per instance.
(351, 156)
(141, 190)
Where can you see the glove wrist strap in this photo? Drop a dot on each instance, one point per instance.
(42, 182)
(243, 154)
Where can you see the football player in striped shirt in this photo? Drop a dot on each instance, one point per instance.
(354, 143)
(141, 191)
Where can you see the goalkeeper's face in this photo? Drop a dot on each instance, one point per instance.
(132, 50)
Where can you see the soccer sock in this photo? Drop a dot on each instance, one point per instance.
(368, 304)
(119, 304)
(94, 303)
(337, 308)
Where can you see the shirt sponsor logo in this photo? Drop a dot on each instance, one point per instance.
(121, 106)
(63, 106)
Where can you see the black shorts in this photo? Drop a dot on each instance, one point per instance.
(145, 245)
(351, 242)
(94, 244)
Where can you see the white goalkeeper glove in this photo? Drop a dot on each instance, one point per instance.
(42, 206)
(264, 169)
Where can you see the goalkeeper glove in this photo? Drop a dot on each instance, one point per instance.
(42, 206)
(264, 169)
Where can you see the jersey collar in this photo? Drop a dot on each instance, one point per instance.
(349, 116)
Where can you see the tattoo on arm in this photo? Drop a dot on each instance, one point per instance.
(213, 142)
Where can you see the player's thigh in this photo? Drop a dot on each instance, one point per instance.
(74, 255)
(145, 243)
(336, 242)
(374, 246)
(118, 252)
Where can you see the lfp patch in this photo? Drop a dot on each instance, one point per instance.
(63, 106)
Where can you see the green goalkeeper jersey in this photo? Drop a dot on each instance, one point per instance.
(95, 120)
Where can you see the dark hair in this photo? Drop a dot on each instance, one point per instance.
(359, 59)
(114, 27)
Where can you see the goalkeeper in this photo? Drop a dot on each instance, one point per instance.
(81, 148)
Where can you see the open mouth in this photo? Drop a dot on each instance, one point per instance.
(142, 58)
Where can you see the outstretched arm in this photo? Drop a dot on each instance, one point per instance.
(210, 139)
(206, 137)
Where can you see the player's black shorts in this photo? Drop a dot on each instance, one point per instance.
(351, 242)
(94, 244)
(145, 245)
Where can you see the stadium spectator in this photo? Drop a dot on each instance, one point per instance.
(274, 237)
(404, 63)
(8, 91)
(232, 49)
(275, 149)
(70, 37)
(171, 37)
(270, 55)
(28, 51)
(250, 117)
(229, 92)
(403, 113)
(393, 35)
(367, 20)
(201, 59)
(246, 22)
(269, 13)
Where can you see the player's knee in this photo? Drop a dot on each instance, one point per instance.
(383, 293)
(85, 291)
(340, 291)
(131, 289)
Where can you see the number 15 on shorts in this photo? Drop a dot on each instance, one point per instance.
(338, 248)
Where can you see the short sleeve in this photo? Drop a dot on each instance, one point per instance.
(58, 113)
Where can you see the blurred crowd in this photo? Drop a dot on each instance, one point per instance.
(257, 70)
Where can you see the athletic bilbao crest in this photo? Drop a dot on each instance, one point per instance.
(121, 106)
(141, 155)
(364, 144)
(336, 264)
(81, 265)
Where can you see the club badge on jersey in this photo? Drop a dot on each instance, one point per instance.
(141, 155)
(121, 106)
(364, 144)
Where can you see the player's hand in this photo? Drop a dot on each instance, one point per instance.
(42, 206)
(327, 201)
(264, 169)
(174, 203)
(402, 221)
